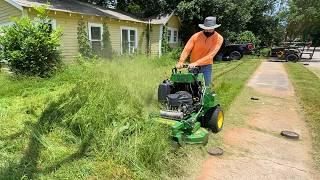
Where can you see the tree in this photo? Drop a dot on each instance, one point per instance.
(105, 3)
(234, 16)
(140, 8)
(258, 16)
(304, 20)
(147, 8)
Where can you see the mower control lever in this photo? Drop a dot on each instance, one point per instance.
(194, 70)
(185, 65)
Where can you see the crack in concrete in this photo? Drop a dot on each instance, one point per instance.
(281, 164)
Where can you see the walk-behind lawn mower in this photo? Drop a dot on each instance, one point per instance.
(189, 107)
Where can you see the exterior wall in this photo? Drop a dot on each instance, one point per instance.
(7, 11)
(155, 36)
(154, 40)
(174, 22)
(69, 24)
(115, 34)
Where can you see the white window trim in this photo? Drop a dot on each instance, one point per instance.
(172, 35)
(169, 34)
(95, 25)
(53, 24)
(136, 36)
(6, 24)
(160, 40)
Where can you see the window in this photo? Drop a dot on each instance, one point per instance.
(128, 40)
(52, 23)
(169, 35)
(175, 36)
(172, 35)
(95, 37)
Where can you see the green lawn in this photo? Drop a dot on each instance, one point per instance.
(307, 88)
(91, 120)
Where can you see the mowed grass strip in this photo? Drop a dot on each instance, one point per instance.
(91, 120)
(233, 79)
(307, 88)
(228, 85)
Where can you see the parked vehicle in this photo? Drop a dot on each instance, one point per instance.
(234, 51)
(292, 51)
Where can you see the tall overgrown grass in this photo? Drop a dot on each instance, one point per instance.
(101, 109)
(91, 121)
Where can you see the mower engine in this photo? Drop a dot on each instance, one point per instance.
(178, 105)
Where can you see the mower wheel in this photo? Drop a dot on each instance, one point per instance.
(235, 55)
(214, 119)
(292, 57)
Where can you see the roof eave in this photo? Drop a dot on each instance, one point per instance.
(21, 6)
(15, 4)
(84, 14)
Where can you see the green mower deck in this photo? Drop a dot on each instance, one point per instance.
(180, 133)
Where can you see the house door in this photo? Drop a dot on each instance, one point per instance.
(129, 41)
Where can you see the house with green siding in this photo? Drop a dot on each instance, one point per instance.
(128, 34)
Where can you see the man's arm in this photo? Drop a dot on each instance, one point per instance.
(187, 49)
(211, 54)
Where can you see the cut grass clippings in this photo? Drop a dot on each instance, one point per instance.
(90, 121)
(307, 88)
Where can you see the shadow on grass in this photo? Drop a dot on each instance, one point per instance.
(55, 112)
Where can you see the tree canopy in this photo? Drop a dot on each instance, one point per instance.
(269, 20)
(304, 20)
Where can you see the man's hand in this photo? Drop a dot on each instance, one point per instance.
(179, 66)
(192, 65)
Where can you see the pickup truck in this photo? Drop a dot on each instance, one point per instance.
(234, 51)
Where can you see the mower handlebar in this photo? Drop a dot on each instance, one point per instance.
(194, 70)
(185, 65)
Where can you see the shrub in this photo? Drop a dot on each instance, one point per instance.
(175, 53)
(165, 48)
(83, 40)
(248, 37)
(106, 47)
(265, 52)
(31, 47)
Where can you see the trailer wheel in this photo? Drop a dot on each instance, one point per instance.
(214, 119)
(235, 55)
(292, 57)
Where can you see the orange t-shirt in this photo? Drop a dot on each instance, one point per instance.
(202, 48)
